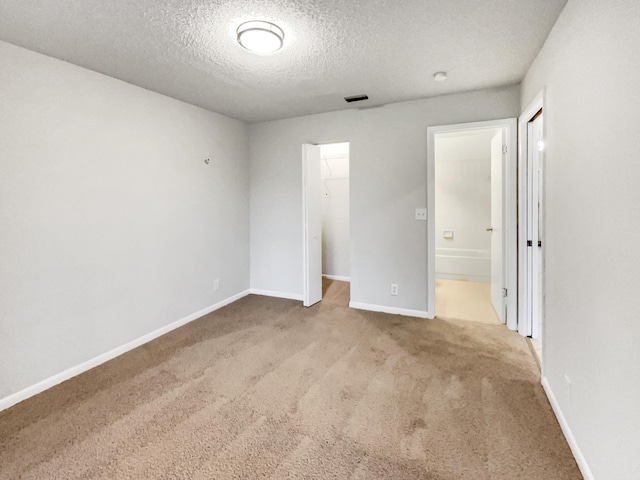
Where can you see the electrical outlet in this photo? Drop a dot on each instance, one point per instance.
(216, 285)
(421, 214)
(394, 289)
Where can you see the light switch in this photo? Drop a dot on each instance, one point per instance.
(421, 213)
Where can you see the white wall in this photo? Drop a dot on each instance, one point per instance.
(335, 210)
(463, 205)
(111, 224)
(590, 67)
(388, 168)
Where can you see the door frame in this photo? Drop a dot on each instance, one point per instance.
(308, 297)
(497, 216)
(536, 105)
(511, 216)
(305, 224)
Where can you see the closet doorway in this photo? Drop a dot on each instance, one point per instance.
(326, 218)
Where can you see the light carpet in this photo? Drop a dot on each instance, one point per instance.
(265, 388)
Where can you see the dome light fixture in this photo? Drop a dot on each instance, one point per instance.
(260, 37)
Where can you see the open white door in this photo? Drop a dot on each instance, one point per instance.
(497, 224)
(312, 224)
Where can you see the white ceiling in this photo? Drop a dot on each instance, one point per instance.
(388, 49)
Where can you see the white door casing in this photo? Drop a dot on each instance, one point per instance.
(312, 225)
(496, 229)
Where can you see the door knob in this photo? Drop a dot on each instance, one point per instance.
(489, 229)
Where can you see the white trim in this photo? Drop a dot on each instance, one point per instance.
(385, 309)
(511, 125)
(271, 293)
(111, 354)
(337, 277)
(305, 237)
(534, 107)
(309, 221)
(568, 434)
(431, 223)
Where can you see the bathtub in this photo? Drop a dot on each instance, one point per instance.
(463, 264)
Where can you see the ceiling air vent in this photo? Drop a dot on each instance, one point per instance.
(356, 98)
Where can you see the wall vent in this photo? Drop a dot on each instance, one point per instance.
(356, 98)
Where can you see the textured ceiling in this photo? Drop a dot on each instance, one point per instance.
(187, 49)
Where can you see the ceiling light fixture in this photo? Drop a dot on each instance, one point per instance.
(260, 37)
(440, 76)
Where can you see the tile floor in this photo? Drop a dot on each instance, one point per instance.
(464, 300)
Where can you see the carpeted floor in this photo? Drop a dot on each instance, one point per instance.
(266, 388)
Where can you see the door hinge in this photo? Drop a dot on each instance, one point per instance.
(505, 149)
(505, 292)
(539, 243)
(529, 243)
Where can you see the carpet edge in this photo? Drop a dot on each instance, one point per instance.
(386, 309)
(272, 293)
(41, 386)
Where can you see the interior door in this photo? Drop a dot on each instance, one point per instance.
(537, 327)
(534, 228)
(312, 221)
(497, 224)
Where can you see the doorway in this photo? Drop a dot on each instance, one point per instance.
(472, 242)
(326, 218)
(531, 219)
(468, 210)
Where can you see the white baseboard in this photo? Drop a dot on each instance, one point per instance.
(270, 293)
(564, 425)
(111, 354)
(386, 309)
(337, 277)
